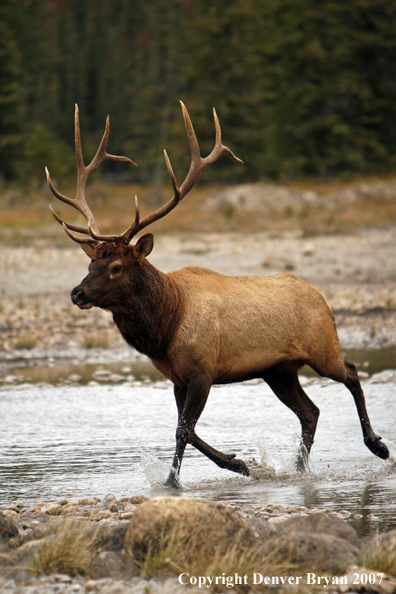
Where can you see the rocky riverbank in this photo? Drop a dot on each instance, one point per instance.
(171, 545)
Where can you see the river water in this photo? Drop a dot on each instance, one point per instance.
(71, 441)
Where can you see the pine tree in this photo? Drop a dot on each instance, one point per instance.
(10, 91)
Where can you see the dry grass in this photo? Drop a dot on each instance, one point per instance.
(26, 341)
(93, 341)
(182, 555)
(28, 217)
(69, 551)
(381, 556)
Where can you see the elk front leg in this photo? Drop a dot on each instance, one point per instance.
(227, 461)
(190, 405)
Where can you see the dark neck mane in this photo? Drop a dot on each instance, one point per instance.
(149, 319)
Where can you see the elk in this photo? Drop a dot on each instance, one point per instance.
(200, 327)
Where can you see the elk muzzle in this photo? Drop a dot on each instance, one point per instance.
(79, 298)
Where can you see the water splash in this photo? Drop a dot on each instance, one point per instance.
(392, 451)
(156, 472)
(262, 470)
(302, 459)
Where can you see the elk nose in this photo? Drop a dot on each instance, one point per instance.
(77, 295)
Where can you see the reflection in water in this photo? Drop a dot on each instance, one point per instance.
(369, 360)
(91, 440)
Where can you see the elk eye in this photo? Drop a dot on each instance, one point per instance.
(116, 269)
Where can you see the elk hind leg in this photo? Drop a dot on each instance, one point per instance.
(371, 440)
(285, 384)
(336, 368)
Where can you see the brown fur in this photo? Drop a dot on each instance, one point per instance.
(200, 327)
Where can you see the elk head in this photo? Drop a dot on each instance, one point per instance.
(114, 262)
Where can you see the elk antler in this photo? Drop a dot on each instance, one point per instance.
(79, 202)
(197, 165)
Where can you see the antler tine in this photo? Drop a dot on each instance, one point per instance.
(172, 176)
(79, 202)
(73, 237)
(196, 167)
(219, 147)
(68, 225)
(102, 155)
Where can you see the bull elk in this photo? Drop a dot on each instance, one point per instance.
(199, 327)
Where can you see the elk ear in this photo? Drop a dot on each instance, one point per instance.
(89, 248)
(144, 246)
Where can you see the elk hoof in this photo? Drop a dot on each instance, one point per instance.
(172, 481)
(377, 447)
(238, 466)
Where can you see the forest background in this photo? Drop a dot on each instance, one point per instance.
(301, 88)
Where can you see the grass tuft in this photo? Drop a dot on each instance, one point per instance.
(381, 555)
(26, 341)
(69, 551)
(100, 341)
(178, 554)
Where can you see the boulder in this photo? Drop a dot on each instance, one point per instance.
(110, 537)
(11, 532)
(112, 564)
(315, 552)
(324, 523)
(194, 526)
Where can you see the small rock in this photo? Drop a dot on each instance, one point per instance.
(112, 508)
(129, 507)
(84, 501)
(75, 377)
(52, 509)
(11, 379)
(116, 377)
(109, 498)
(126, 515)
(363, 375)
(308, 249)
(61, 578)
(101, 375)
(383, 377)
(104, 514)
(138, 499)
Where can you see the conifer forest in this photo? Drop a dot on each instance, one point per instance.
(302, 88)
